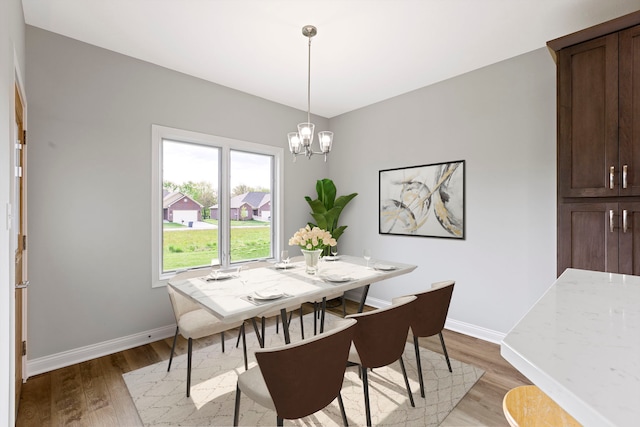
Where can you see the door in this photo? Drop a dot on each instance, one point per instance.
(629, 240)
(630, 111)
(588, 236)
(19, 215)
(588, 119)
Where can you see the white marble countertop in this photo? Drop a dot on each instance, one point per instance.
(580, 343)
(227, 299)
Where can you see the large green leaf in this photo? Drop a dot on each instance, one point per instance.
(326, 209)
(326, 190)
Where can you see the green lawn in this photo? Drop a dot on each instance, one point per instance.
(248, 223)
(194, 248)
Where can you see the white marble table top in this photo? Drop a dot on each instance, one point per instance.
(227, 299)
(580, 343)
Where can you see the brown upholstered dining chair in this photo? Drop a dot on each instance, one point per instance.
(195, 322)
(379, 340)
(429, 317)
(299, 379)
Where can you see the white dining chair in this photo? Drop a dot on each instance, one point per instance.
(193, 322)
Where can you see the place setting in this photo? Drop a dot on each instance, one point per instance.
(265, 296)
(285, 261)
(336, 278)
(217, 275)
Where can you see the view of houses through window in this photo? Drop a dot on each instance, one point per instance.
(199, 227)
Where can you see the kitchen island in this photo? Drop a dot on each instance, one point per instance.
(580, 344)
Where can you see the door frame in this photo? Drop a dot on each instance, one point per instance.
(15, 222)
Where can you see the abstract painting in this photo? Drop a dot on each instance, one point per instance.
(425, 200)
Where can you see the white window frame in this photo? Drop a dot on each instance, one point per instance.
(158, 134)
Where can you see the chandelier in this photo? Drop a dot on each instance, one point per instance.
(300, 142)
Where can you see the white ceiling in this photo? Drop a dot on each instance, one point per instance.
(365, 51)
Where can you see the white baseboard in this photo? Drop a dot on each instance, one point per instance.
(78, 355)
(474, 331)
(451, 324)
(82, 354)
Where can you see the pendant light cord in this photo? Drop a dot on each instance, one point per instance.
(309, 85)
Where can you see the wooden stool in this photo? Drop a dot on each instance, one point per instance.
(528, 406)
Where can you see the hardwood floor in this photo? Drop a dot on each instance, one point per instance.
(93, 393)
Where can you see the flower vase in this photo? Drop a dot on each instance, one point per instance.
(311, 260)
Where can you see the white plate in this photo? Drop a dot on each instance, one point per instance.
(219, 276)
(336, 278)
(283, 266)
(331, 258)
(384, 267)
(268, 294)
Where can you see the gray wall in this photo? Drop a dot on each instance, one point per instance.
(12, 66)
(501, 120)
(91, 112)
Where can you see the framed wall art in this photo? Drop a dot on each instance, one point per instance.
(425, 200)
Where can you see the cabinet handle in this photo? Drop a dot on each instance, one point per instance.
(624, 221)
(611, 220)
(612, 172)
(624, 176)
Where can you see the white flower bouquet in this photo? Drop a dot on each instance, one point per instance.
(312, 238)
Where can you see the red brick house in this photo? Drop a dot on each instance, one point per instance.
(180, 208)
(253, 205)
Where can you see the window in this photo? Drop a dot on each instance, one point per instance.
(215, 201)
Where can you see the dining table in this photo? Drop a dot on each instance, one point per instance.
(247, 293)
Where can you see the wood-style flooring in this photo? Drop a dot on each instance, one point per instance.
(93, 393)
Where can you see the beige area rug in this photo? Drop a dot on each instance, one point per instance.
(160, 396)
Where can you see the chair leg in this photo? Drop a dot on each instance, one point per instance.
(244, 347)
(236, 410)
(444, 348)
(301, 324)
(263, 328)
(222, 340)
(416, 345)
(277, 324)
(279, 421)
(406, 382)
(173, 348)
(344, 306)
(365, 388)
(189, 346)
(344, 414)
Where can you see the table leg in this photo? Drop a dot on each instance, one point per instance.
(324, 308)
(363, 299)
(285, 325)
(255, 328)
(315, 318)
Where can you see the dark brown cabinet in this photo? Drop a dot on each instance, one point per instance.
(600, 236)
(599, 147)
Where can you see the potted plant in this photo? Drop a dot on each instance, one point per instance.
(326, 209)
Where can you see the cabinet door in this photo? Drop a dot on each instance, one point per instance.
(629, 239)
(629, 138)
(588, 119)
(588, 236)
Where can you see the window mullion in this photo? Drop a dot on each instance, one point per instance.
(223, 201)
